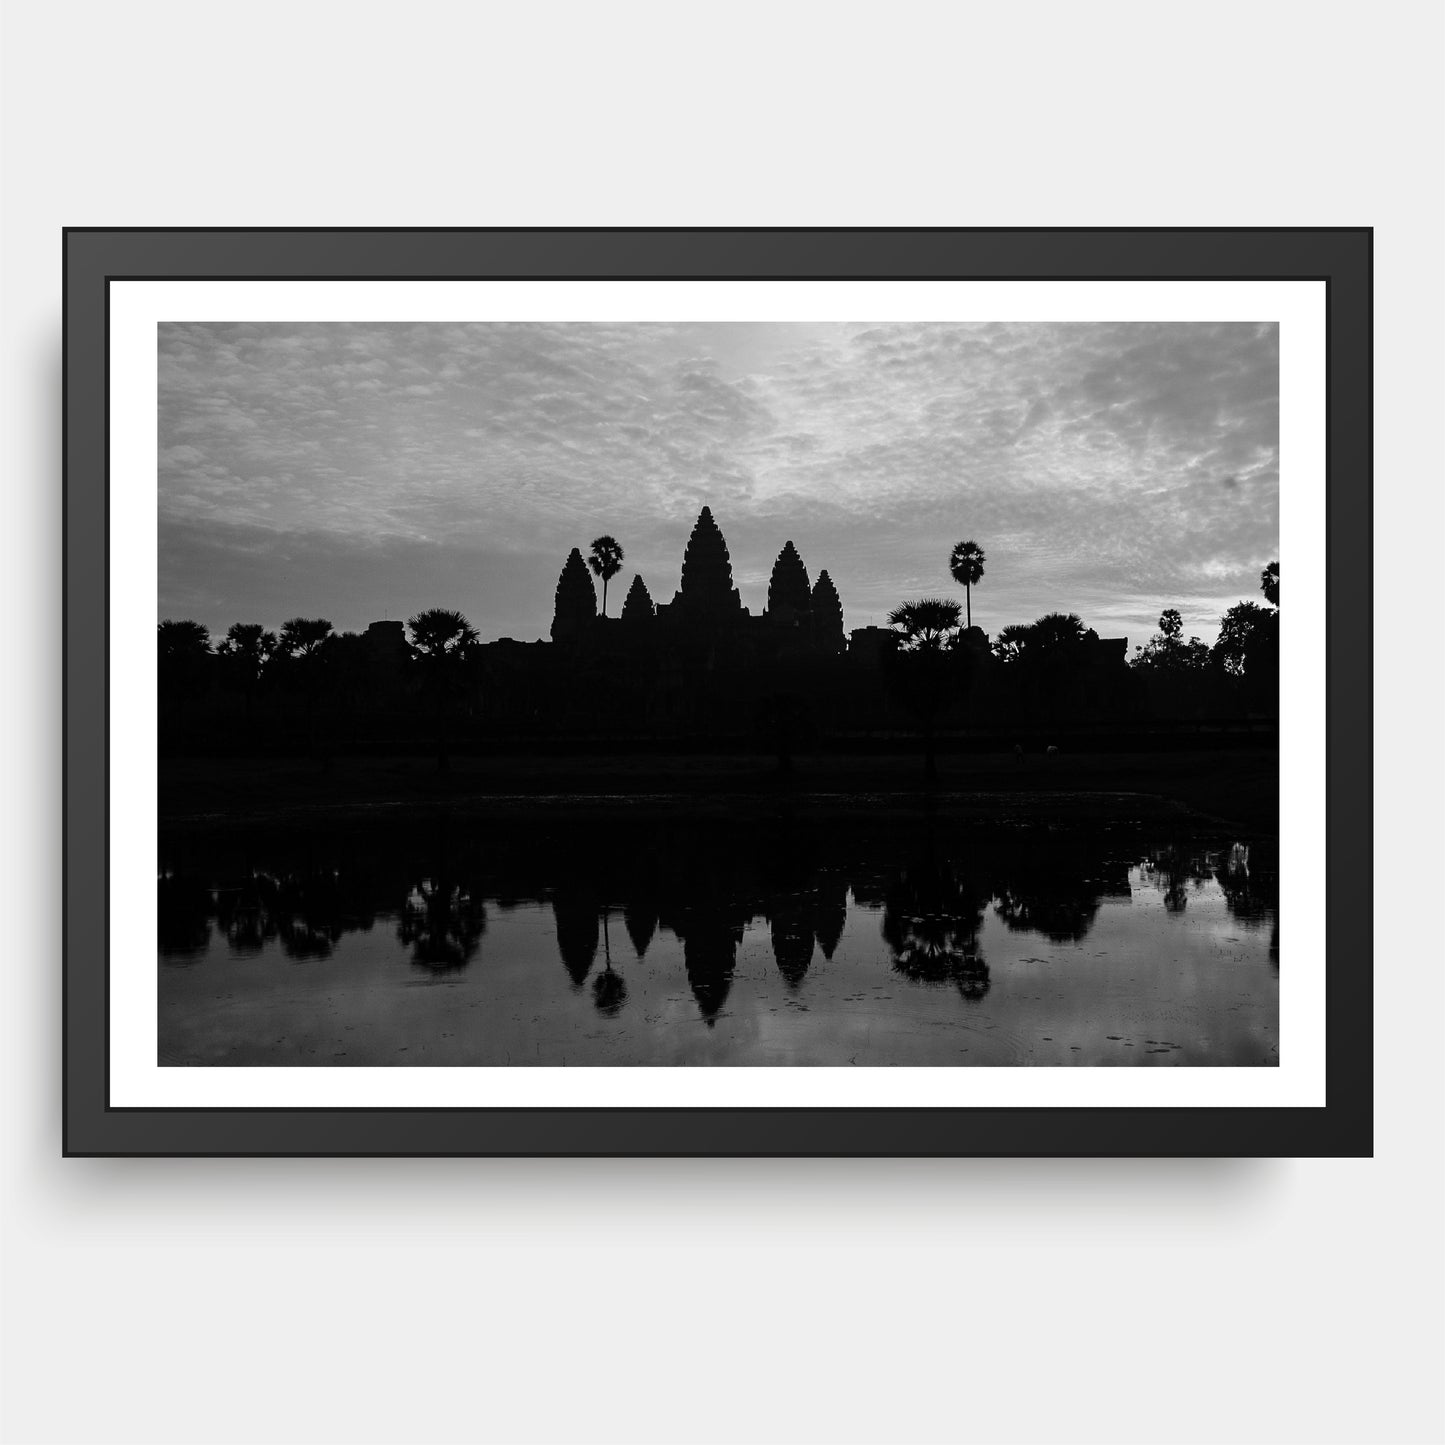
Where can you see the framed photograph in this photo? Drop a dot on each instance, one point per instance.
(717, 692)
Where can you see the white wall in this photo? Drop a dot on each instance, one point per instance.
(196, 1301)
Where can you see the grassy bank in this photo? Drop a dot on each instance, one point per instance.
(1236, 787)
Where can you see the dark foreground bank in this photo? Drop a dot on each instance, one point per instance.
(1237, 788)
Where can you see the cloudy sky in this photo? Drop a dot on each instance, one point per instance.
(366, 471)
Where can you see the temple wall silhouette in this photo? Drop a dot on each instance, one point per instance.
(699, 668)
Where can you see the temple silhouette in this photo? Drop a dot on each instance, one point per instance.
(699, 670)
(703, 664)
(706, 614)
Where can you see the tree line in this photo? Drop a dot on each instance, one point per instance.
(935, 664)
(937, 670)
(1247, 630)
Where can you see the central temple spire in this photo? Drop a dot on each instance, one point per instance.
(707, 570)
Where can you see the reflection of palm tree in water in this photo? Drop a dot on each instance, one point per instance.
(442, 922)
(184, 917)
(1249, 880)
(1058, 898)
(1061, 917)
(308, 906)
(308, 912)
(609, 991)
(931, 922)
(1172, 870)
(246, 914)
(1248, 876)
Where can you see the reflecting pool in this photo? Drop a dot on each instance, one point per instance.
(610, 939)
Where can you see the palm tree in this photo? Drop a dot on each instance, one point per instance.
(965, 562)
(301, 637)
(605, 562)
(247, 649)
(302, 640)
(924, 624)
(184, 653)
(442, 639)
(1011, 641)
(922, 671)
(1056, 632)
(182, 638)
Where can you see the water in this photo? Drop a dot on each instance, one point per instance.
(617, 940)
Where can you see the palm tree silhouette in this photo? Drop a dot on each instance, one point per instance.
(302, 640)
(924, 623)
(1011, 642)
(1057, 632)
(184, 651)
(920, 670)
(301, 637)
(442, 922)
(442, 638)
(605, 562)
(965, 562)
(182, 637)
(247, 649)
(609, 989)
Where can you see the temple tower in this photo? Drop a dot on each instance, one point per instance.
(637, 608)
(576, 607)
(707, 572)
(828, 617)
(790, 598)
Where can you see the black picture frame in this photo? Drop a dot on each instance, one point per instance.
(95, 257)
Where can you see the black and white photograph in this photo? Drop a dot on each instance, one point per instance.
(719, 693)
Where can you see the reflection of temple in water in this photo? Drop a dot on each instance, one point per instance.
(702, 884)
(709, 953)
(576, 916)
(791, 930)
(640, 918)
(830, 914)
